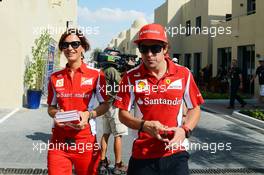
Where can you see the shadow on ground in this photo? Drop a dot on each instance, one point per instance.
(245, 150)
(39, 136)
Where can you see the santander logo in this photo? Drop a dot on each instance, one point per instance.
(159, 101)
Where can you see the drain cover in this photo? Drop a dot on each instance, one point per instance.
(239, 171)
(227, 171)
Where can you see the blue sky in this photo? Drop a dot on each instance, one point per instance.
(105, 19)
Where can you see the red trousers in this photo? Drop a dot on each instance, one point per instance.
(81, 151)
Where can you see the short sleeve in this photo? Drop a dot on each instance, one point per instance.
(192, 95)
(52, 98)
(101, 92)
(125, 96)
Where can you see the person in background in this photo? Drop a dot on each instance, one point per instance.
(74, 88)
(175, 60)
(260, 74)
(111, 122)
(158, 88)
(206, 74)
(236, 84)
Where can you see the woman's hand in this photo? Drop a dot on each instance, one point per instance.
(58, 123)
(83, 123)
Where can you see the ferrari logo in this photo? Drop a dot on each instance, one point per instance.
(168, 81)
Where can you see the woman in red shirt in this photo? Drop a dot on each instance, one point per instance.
(74, 88)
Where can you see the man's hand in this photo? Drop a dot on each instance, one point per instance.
(178, 137)
(154, 128)
(83, 123)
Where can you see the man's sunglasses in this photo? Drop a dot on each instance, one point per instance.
(153, 48)
(74, 44)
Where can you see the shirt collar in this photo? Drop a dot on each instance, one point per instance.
(81, 69)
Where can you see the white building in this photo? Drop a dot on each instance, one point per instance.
(21, 22)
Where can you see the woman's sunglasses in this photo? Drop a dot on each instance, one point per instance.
(153, 48)
(74, 44)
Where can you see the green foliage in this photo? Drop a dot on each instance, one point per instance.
(57, 59)
(213, 95)
(34, 72)
(256, 113)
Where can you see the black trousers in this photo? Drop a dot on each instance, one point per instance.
(176, 164)
(234, 96)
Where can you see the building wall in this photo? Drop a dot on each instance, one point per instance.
(175, 13)
(161, 14)
(169, 14)
(218, 8)
(192, 44)
(124, 42)
(242, 35)
(239, 7)
(21, 20)
(246, 30)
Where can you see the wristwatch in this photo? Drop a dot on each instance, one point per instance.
(91, 115)
(187, 130)
(141, 125)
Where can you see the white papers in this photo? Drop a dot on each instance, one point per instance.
(67, 116)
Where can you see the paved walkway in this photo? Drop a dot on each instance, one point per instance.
(220, 106)
(241, 145)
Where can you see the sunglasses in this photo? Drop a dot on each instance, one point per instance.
(153, 48)
(74, 44)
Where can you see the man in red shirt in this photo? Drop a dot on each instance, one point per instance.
(158, 88)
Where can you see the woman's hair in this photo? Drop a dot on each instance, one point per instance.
(84, 42)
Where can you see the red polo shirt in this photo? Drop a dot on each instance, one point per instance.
(160, 100)
(77, 93)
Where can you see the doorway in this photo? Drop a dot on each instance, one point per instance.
(246, 62)
(197, 66)
(224, 58)
(187, 60)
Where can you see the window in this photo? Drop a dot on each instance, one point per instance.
(198, 24)
(251, 7)
(187, 60)
(188, 28)
(197, 66)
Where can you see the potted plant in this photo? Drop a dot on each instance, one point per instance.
(35, 69)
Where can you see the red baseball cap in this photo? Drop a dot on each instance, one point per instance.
(152, 32)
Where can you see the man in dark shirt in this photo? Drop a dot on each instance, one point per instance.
(260, 74)
(236, 84)
(111, 122)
